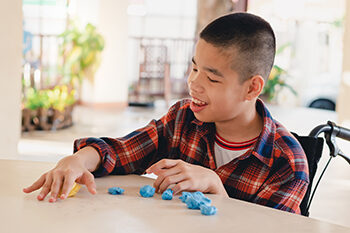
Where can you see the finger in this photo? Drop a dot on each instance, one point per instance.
(89, 181)
(46, 188)
(185, 185)
(164, 174)
(56, 186)
(170, 180)
(36, 185)
(67, 186)
(164, 163)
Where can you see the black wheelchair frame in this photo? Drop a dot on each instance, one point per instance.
(313, 146)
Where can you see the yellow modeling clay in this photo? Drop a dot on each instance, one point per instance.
(73, 191)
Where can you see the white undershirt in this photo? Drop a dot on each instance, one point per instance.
(226, 151)
(223, 156)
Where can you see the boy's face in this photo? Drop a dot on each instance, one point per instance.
(217, 94)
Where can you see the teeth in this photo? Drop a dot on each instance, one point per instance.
(199, 102)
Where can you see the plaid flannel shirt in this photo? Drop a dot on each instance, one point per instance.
(273, 173)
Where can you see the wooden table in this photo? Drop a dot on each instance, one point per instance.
(130, 212)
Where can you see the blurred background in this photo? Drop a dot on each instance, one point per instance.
(79, 68)
(134, 52)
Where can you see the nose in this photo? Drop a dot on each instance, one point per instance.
(194, 84)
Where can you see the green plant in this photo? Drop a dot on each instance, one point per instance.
(276, 83)
(80, 50)
(36, 99)
(57, 98)
(60, 97)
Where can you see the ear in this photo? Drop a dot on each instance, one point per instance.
(256, 85)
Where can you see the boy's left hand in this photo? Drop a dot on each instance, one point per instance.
(185, 177)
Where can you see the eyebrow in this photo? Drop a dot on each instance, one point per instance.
(211, 70)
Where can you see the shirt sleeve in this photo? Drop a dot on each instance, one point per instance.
(135, 152)
(283, 195)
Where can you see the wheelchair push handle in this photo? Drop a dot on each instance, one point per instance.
(331, 127)
(343, 133)
(331, 131)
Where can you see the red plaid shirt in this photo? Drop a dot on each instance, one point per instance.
(273, 173)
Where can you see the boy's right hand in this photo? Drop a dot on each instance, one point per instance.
(67, 171)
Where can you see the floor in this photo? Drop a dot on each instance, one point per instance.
(331, 202)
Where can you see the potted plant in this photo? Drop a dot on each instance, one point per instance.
(62, 101)
(81, 54)
(48, 109)
(35, 111)
(275, 83)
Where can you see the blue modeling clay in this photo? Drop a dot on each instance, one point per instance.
(184, 196)
(208, 210)
(205, 201)
(147, 191)
(167, 194)
(115, 191)
(201, 198)
(195, 200)
(192, 203)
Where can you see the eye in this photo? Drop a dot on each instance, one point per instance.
(194, 69)
(212, 80)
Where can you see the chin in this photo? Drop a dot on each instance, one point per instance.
(202, 118)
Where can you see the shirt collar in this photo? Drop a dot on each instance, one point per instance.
(264, 145)
(203, 127)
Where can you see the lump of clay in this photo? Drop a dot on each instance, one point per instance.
(208, 210)
(115, 191)
(147, 191)
(167, 194)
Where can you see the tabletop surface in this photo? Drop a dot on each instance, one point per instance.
(130, 212)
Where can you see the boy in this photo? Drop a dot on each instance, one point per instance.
(222, 141)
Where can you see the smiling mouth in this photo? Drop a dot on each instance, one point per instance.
(198, 102)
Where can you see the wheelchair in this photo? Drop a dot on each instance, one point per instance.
(313, 146)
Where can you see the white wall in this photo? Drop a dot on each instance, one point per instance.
(343, 105)
(10, 75)
(111, 78)
(163, 18)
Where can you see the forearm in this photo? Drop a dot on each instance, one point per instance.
(286, 197)
(113, 155)
(89, 157)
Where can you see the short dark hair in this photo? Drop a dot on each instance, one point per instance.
(250, 36)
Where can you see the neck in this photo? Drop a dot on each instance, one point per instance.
(244, 127)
